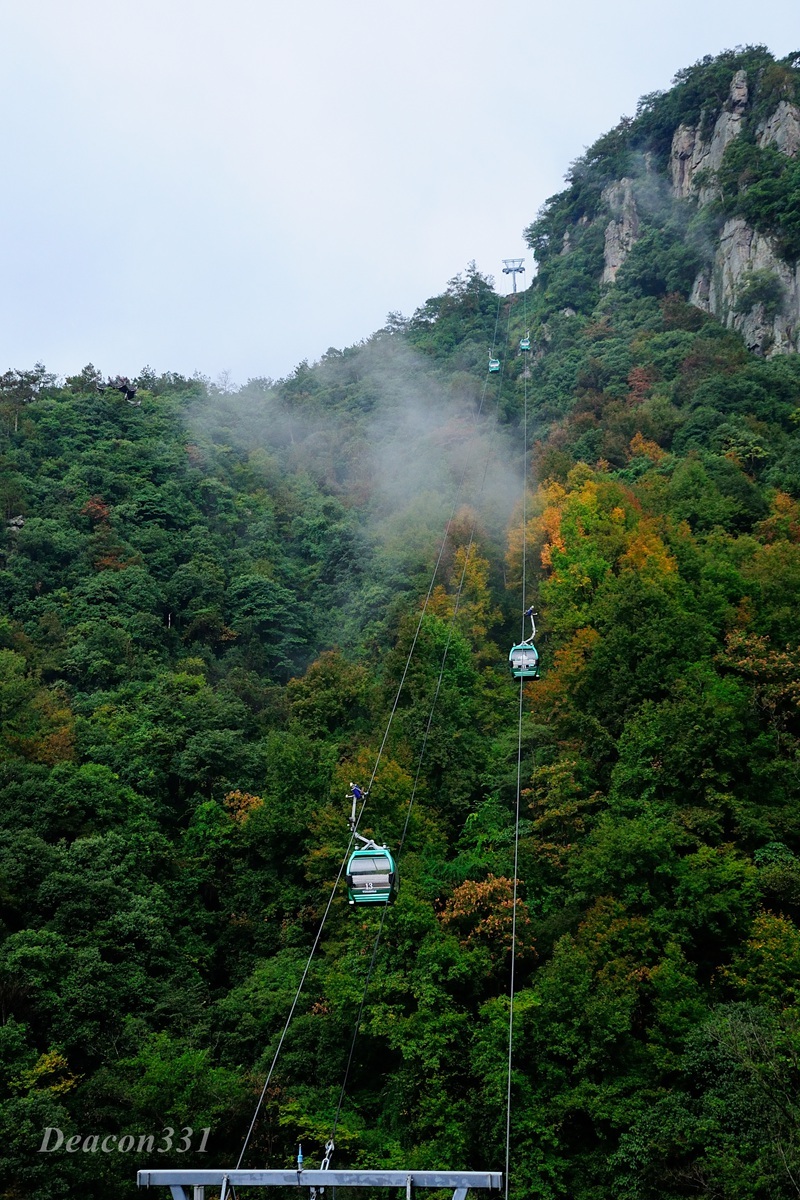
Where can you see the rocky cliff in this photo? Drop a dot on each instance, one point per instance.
(622, 230)
(692, 153)
(747, 284)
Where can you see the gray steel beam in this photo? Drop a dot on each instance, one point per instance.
(457, 1180)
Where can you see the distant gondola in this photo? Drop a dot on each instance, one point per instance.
(525, 343)
(494, 365)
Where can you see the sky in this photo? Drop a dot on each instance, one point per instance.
(230, 188)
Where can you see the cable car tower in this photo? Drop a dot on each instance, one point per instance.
(512, 267)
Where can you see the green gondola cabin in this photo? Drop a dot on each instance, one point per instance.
(524, 661)
(524, 657)
(372, 876)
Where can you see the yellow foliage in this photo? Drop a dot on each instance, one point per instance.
(558, 801)
(767, 965)
(50, 1074)
(469, 575)
(240, 805)
(584, 530)
(553, 693)
(646, 550)
(642, 447)
(441, 603)
(541, 530)
(476, 611)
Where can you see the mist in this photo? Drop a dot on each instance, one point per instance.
(380, 429)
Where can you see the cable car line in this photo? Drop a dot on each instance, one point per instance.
(442, 547)
(357, 813)
(291, 1011)
(356, 820)
(451, 626)
(331, 1141)
(521, 676)
(401, 843)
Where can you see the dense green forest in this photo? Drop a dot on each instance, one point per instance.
(221, 606)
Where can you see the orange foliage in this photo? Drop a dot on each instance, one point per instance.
(113, 562)
(96, 509)
(482, 912)
(640, 380)
(55, 742)
(783, 521)
(56, 747)
(107, 550)
(554, 692)
(550, 522)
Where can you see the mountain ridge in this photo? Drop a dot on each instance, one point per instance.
(714, 164)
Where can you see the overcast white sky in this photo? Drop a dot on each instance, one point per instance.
(237, 185)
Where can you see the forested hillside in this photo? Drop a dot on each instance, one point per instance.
(219, 607)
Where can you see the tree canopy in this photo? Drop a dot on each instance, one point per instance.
(218, 608)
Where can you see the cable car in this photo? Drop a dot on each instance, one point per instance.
(525, 343)
(372, 876)
(524, 660)
(524, 657)
(494, 364)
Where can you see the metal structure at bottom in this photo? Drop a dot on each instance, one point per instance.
(191, 1185)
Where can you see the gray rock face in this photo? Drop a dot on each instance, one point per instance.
(623, 228)
(691, 153)
(745, 264)
(687, 149)
(748, 287)
(782, 130)
(743, 259)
